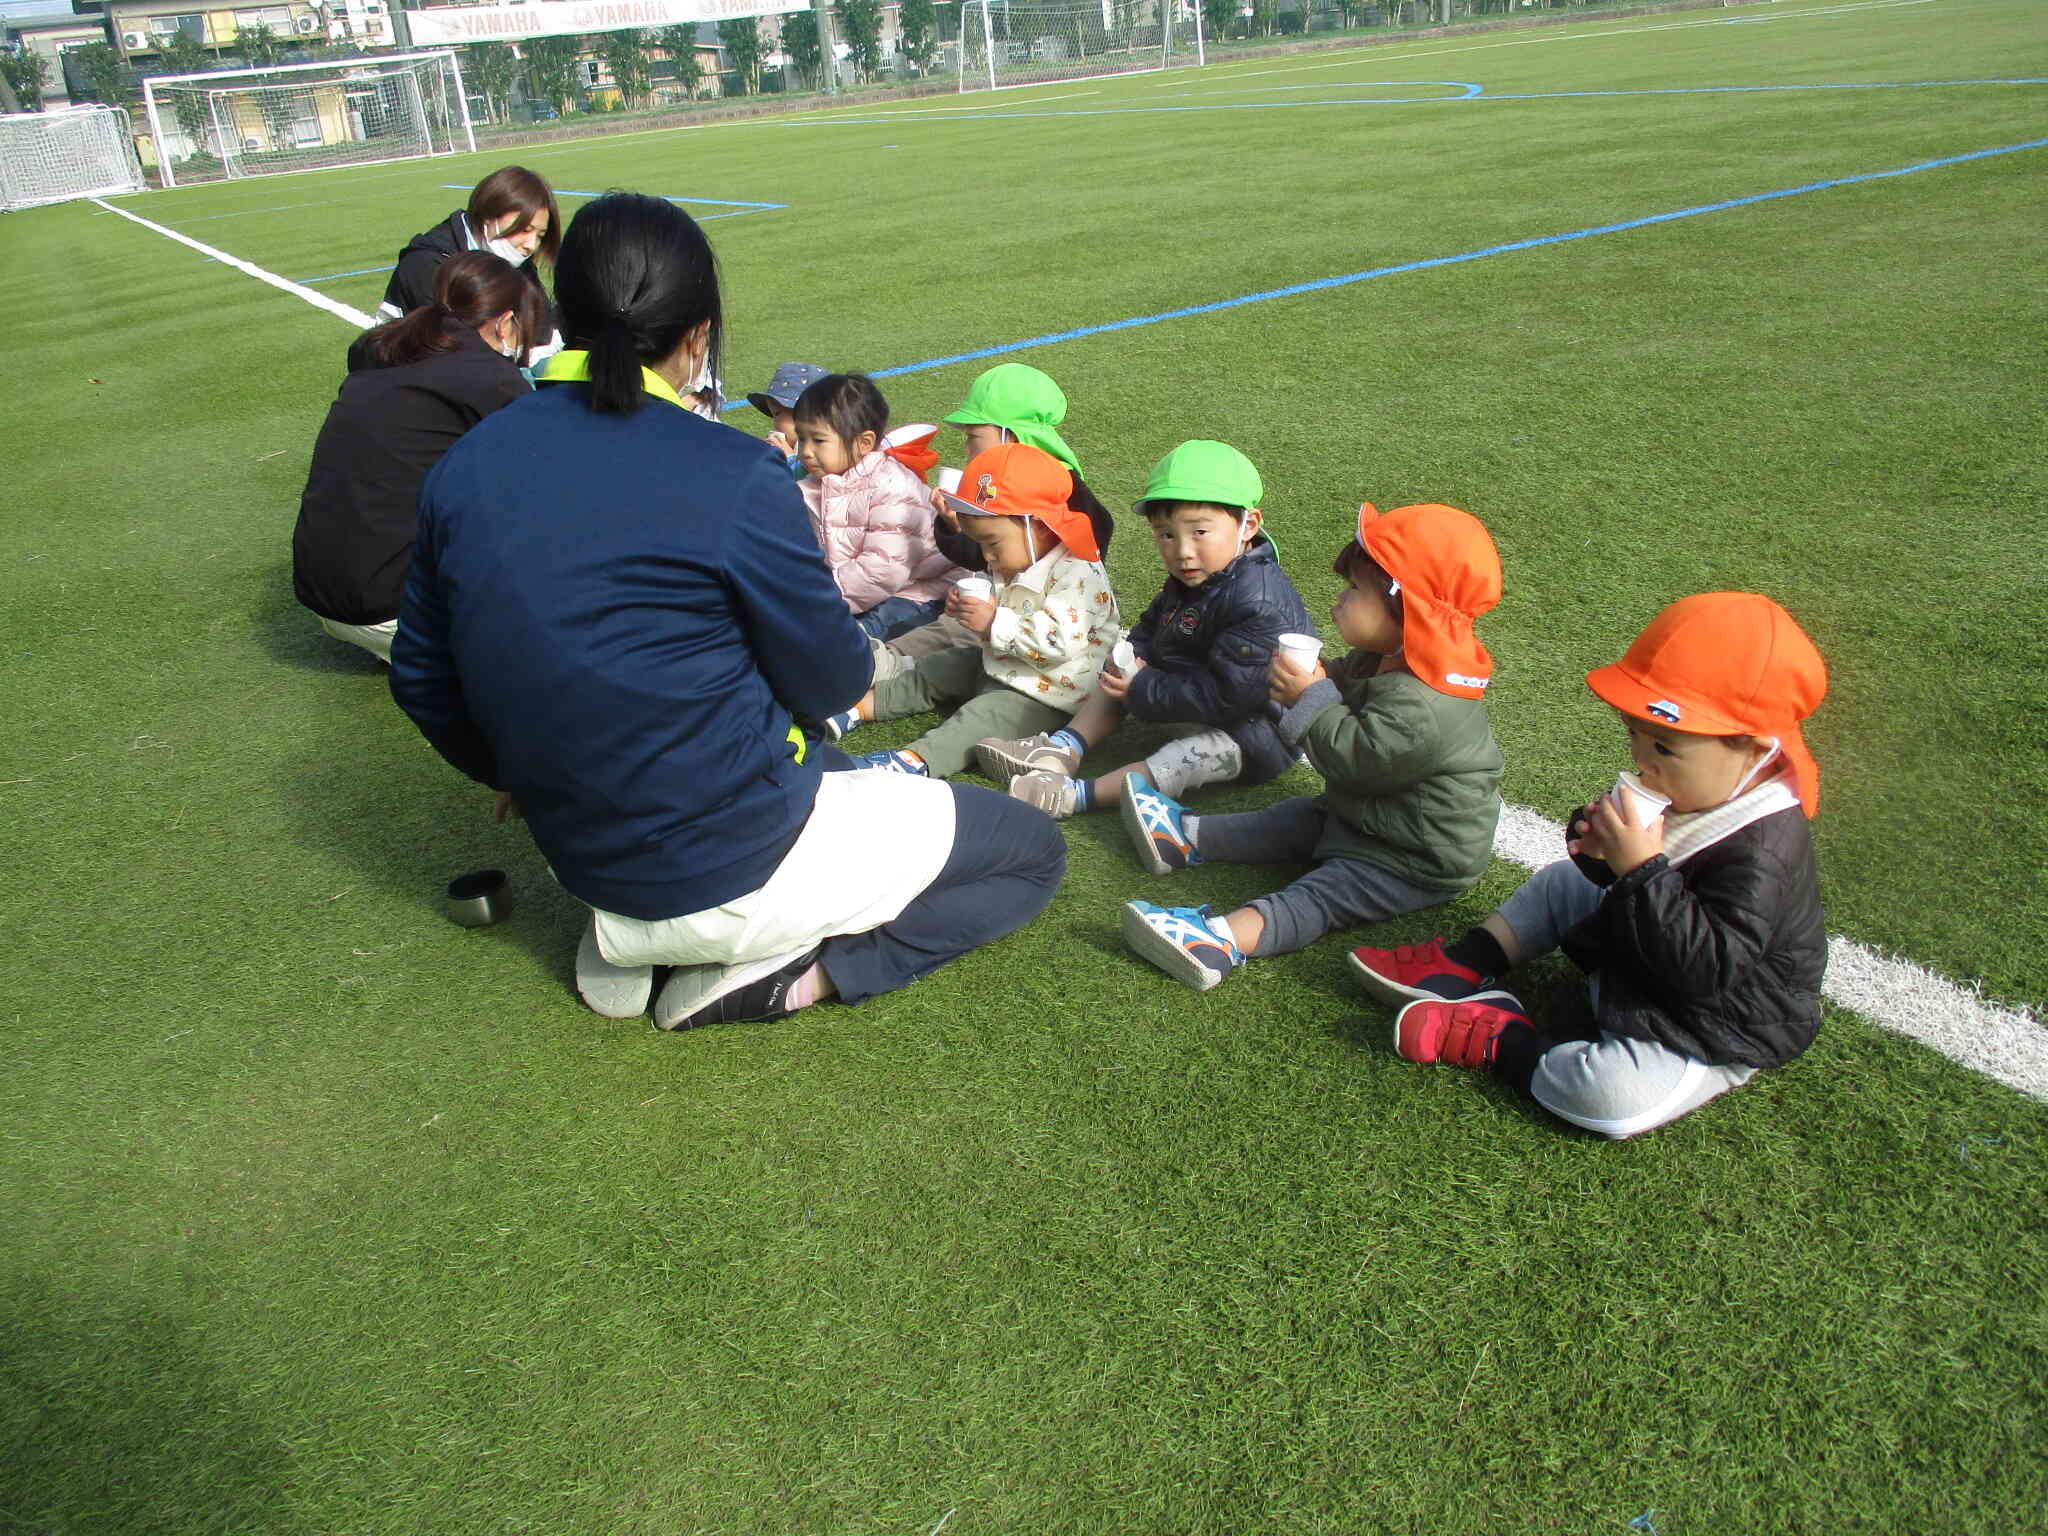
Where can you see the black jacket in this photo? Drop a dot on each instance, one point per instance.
(412, 280)
(1719, 957)
(1207, 652)
(385, 430)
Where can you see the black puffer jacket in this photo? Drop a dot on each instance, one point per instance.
(1719, 957)
(1207, 652)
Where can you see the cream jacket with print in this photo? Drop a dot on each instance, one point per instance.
(1053, 629)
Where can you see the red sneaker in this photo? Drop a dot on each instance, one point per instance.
(1415, 971)
(1462, 1034)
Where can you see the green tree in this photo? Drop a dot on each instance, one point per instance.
(681, 43)
(861, 22)
(258, 45)
(1216, 18)
(103, 71)
(182, 54)
(493, 67)
(800, 42)
(551, 65)
(740, 37)
(1263, 12)
(919, 24)
(25, 71)
(625, 55)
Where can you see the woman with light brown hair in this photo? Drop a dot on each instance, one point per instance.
(511, 214)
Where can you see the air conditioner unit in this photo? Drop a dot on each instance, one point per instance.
(136, 40)
(306, 26)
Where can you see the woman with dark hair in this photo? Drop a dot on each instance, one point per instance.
(414, 386)
(512, 215)
(616, 615)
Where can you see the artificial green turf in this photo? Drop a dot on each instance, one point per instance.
(325, 1215)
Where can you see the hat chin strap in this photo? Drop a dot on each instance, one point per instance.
(1031, 539)
(1755, 768)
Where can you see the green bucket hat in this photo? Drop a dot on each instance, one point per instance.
(1204, 471)
(1023, 402)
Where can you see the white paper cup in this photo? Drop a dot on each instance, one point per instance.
(1123, 656)
(1643, 806)
(1303, 650)
(949, 480)
(979, 588)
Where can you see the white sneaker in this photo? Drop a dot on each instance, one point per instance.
(616, 991)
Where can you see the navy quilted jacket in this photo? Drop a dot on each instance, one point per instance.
(1208, 649)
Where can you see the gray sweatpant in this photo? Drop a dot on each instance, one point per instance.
(1615, 1086)
(1337, 893)
(943, 679)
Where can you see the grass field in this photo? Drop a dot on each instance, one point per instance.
(324, 1215)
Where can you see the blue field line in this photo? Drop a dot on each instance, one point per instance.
(715, 202)
(1468, 93)
(1349, 278)
(334, 276)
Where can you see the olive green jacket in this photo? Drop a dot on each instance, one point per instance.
(1411, 776)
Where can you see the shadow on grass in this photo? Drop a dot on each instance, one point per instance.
(365, 791)
(114, 1420)
(292, 636)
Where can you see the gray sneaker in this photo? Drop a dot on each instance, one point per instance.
(1003, 760)
(1052, 793)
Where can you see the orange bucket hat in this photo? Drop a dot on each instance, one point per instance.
(1724, 664)
(1018, 480)
(1447, 573)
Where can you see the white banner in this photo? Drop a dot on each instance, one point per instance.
(549, 18)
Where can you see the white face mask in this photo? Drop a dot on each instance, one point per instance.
(499, 246)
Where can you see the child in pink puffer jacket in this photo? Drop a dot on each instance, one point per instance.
(869, 504)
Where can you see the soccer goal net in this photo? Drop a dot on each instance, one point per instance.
(304, 117)
(1004, 43)
(47, 157)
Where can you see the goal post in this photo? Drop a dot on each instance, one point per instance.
(1012, 42)
(304, 117)
(66, 152)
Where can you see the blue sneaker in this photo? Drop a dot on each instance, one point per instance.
(898, 761)
(1153, 821)
(836, 726)
(1181, 943)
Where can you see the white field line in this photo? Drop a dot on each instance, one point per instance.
(354, 317)
(1960, 1022)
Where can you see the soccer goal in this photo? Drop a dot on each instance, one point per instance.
(306, 117)
(66, 152)
(1005, 43)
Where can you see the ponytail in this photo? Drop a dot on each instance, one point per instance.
(615, 386)
(470, 290)
(634, 278)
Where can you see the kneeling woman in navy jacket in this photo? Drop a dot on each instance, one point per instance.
(616, 611)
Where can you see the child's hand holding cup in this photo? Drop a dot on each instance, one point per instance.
(1297, 662)
(972, 603)
(1639, 806)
